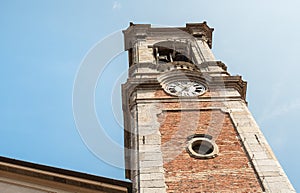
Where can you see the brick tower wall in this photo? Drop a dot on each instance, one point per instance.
(230, 171)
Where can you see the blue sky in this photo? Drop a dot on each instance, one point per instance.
(43, 43)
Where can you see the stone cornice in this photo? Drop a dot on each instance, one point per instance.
(213, 63)
(141, 31)
(178, 65)
(213, 83)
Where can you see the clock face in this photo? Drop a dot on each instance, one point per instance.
(185, 88)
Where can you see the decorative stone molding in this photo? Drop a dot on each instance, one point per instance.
(177, 65)
(200, 30)
(141, 31)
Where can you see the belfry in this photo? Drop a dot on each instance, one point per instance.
(187, 127)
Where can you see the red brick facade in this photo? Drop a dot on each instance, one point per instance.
(230, 171)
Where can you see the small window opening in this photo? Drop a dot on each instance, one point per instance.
(202, 146)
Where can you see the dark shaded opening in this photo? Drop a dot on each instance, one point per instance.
(202, 147)
(169, 51)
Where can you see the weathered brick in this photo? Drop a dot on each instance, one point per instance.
(230, 171)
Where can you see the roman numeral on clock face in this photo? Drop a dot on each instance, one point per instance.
(185, 88)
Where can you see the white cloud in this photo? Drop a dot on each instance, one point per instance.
(116, 5)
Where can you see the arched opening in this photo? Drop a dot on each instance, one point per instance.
(171, 51)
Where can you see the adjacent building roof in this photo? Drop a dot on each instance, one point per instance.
(26, 177)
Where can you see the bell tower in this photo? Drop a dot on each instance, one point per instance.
(186, 122)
